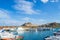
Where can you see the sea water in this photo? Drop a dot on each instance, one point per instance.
(40, 35)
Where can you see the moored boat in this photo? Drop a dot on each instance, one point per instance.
(56, 36)
(53, 38)
(57, 33)
(9, 36)
(19, 37)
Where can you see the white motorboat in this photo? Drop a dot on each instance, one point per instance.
(56, 36)
(53, 38)
(9, 36)
(20, 30)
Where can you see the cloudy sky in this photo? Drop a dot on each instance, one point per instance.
(17, 12)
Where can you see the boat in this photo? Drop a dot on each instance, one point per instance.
(19, 37)
(20, 30)
(53, 38)
(9, 36)
(56, 36)
(57, 33)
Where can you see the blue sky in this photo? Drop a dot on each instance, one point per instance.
(17, 12)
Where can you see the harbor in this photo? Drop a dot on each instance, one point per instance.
(4, 35)
(38, 35)
(20, 34)
(28, 31)
(29, 19)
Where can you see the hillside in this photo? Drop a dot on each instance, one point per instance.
(54, 24)
(29, 25)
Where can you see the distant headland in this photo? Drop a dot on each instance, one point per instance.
(30, 25)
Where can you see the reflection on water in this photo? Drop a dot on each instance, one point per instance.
(40, 35)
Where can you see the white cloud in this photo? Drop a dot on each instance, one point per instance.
(54, 1)
(10, 22)
(34, 21)
(5, 19)
(39, 21)
(25, 7)
(34, 1)
(26, 19)
(44, 1)
(4, 13)
(58, 21)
